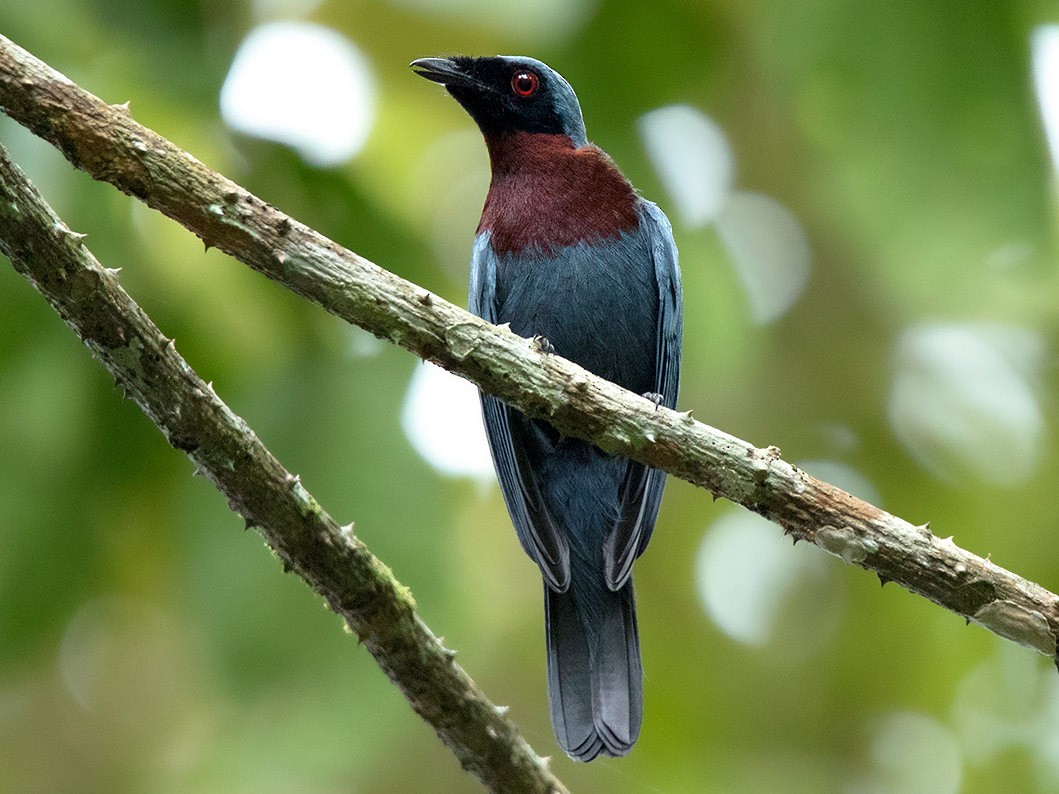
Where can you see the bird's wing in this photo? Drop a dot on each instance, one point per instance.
(641, 491)
(537, 531)
(670, 304)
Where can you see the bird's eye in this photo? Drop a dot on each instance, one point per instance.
(525, 83)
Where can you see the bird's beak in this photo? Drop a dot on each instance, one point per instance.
(444, 71)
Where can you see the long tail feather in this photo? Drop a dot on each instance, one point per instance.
(595, 681)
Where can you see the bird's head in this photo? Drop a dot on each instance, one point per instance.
(508, 94)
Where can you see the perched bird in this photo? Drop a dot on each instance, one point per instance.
(567, 250)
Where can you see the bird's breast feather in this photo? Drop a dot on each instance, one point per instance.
(546, 196)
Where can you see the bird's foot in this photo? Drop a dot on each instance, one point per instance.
(654, 397)
(543, 345)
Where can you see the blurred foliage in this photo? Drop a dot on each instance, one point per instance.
(148, 644)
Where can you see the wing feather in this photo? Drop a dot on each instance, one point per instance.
(641, 492)
(537, 531)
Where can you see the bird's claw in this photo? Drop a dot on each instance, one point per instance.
(543, 345)
(654, 397)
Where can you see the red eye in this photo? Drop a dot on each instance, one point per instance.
(525, 83)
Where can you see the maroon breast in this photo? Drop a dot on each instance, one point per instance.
(547, 194)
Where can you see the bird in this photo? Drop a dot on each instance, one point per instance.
(569, 253)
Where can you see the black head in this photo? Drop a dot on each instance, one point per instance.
(509, 94)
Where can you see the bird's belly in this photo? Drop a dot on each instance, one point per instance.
(596, 304)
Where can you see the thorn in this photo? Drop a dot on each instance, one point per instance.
(198, 472)
(206, 246)
(61, 228)
(171, 343)
(122, 106)
(248, 525)
(283, 228)
(685, 414)
(112, 271)
(794, 540)
(502, 710)
(883, 580)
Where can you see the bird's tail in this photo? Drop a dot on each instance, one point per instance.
(595, 681)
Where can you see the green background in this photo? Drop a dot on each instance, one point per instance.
(148, 644)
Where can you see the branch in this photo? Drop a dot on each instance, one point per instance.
(106, 142)
(307, 540)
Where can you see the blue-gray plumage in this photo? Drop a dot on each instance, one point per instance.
(568, 251)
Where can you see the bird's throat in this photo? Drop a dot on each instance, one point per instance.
(547, 194)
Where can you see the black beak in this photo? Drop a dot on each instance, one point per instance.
(446, 72)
